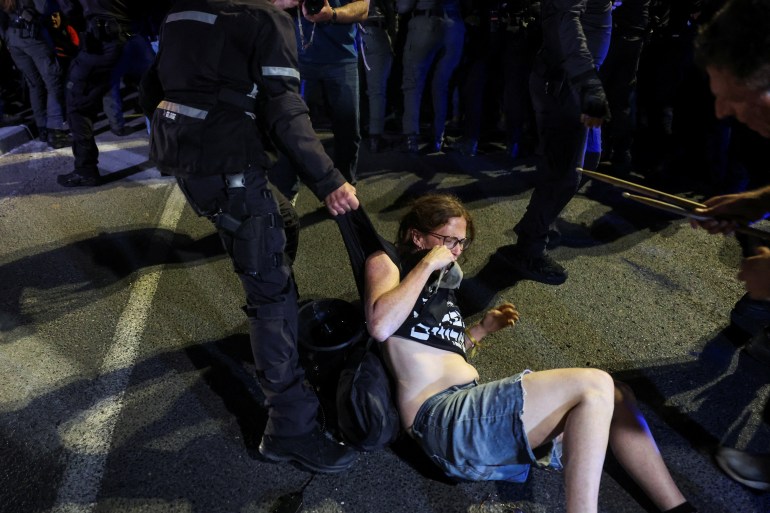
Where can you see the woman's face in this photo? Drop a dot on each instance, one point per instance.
(453, 233)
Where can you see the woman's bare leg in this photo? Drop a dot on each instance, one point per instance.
(635, 449)
(579, 403)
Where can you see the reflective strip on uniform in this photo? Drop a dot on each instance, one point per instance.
(275, 71)
(190, 112)
(203, 17)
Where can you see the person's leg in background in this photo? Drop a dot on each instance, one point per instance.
(36, 86)
(422, 43)
(112, 104)
(341, 88)
(52, 76)
(89, 80)
(452, 31)
(379, 58)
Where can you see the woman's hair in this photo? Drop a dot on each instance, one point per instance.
(426, 214)
(8, 5)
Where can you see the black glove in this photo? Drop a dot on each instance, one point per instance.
(593, 101)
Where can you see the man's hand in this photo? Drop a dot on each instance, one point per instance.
(499, 318)
(755, 271)
(729, 210)
(341, 200)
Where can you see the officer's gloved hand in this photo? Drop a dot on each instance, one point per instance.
(593, 101)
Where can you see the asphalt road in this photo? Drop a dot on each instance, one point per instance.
(125, 370)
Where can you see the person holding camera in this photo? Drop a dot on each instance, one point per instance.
(23, 34)
(328, 67)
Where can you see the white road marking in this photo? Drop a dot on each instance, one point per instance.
(88, 436)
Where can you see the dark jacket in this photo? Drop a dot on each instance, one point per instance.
(227, 75)
(575, 34)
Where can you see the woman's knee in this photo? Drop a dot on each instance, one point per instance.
(597, 385)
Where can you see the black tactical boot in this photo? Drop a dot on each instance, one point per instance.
(314, 451)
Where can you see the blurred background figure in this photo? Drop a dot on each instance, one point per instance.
(434, 43)
(502, 39)
(25, 35)
(112, 47)
(618, 73)
(377, 34)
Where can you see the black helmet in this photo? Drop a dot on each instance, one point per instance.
(329, 325)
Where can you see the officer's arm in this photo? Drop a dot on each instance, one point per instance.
(564, 17)
(282, 109)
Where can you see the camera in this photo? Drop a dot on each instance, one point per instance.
(313, 7)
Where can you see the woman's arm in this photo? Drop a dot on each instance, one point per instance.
(494, 320)
(389, 300)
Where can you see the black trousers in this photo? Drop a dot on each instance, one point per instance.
(261, 238)
(563, 139)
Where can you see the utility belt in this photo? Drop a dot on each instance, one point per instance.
(107, 30)
(26, 28)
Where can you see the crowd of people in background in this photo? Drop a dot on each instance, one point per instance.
(446, 75)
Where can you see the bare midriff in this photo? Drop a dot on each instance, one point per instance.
(423, 371)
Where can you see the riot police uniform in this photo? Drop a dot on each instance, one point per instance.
(34, 56)
(229, 87)
(111, 47)
(565, 86)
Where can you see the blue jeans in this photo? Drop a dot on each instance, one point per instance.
(337, 85)
(378, 55)
(431, 39)
(474, 432)
(45, 78)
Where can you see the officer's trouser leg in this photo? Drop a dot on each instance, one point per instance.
(252, 231)
(563, 137)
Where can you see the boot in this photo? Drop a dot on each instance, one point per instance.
(58, 139)
(412, 144)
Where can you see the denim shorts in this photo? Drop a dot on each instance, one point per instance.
(474, 432)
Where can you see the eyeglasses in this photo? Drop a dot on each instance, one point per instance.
(452, 242)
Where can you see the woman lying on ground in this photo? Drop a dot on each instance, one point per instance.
(494, 431)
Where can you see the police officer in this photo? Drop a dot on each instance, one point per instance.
(23, 33)
(568, 98)
(111, 47)
(228, 81)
